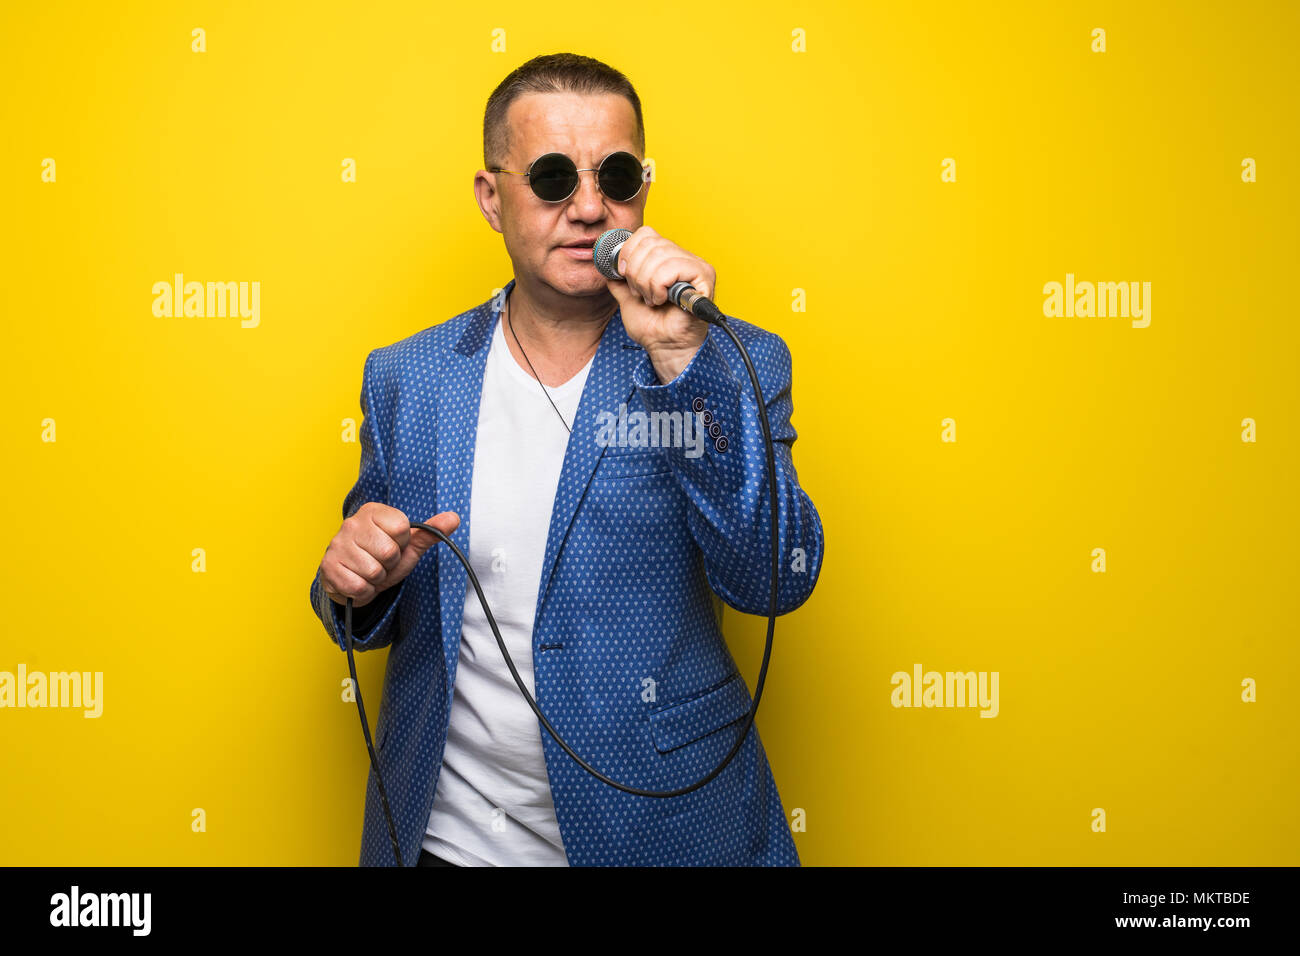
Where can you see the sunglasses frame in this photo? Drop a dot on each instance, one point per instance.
(641, 163)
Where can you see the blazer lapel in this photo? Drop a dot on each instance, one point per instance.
(460, 391)
(609, 383)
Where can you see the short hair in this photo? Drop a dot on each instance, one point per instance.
(551, 73)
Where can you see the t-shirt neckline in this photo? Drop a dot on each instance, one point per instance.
(523, 375)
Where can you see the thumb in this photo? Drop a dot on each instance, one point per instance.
(621, 291)
(421, 540)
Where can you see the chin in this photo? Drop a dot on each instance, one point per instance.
(578, 279)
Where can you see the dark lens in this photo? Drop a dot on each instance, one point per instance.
(620, 176)
(553, 177)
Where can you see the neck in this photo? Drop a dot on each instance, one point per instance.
(559, 334)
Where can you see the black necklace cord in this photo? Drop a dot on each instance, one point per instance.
(762, 674)
(533, 370)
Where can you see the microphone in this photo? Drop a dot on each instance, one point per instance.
(681, 294)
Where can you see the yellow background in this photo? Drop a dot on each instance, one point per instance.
(816, 170)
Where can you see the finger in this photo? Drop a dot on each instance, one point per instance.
(344, 583)
(392, 523)
(667, 267)
(628, 293)
(621, 291)
(625, 252)
(683, 269)
(382, 546)
(634, 273)
(651, 271)
(362, 563)
(639, 237)
(446, 522)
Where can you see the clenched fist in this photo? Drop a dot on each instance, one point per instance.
(375, 550)
(650, 264)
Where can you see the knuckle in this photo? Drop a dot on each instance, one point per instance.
(374, 571)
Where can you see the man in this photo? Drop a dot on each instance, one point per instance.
(602, 554)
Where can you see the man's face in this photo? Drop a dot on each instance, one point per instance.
(586, 129)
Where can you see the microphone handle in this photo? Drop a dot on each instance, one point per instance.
(684, 296)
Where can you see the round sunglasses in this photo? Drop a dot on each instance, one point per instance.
(554, 176)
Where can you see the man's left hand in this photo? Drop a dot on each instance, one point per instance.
(651, 264)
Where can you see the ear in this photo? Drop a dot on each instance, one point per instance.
(488, 198)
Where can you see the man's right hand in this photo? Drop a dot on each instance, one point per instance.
(375, 550)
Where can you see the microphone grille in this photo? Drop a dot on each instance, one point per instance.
(605, 255)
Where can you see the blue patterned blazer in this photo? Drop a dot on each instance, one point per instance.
(643, 540)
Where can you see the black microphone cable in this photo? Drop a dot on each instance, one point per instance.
(721, 323)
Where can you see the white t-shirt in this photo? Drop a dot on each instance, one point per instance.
(493, 803)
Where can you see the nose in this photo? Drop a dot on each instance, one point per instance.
(587, 203)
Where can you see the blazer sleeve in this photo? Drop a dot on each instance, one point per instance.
(727, 486)
(374, 625)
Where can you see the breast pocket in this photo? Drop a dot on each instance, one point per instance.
(634, 463)
(684, 722)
